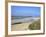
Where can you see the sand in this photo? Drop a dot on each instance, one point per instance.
(23, 26)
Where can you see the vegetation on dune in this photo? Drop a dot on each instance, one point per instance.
(35, 25)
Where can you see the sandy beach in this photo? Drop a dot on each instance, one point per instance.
(24, 25)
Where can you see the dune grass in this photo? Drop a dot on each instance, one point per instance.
(35, 25)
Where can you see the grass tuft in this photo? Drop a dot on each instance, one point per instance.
(35, 25)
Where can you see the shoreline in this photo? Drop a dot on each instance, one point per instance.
(22, 24)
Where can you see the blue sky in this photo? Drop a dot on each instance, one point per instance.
(25, 11)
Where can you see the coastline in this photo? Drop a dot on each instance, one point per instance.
(23, 24)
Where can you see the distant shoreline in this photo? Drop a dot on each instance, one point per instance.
(19, 17)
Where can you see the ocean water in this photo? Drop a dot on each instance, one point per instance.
(20, 17)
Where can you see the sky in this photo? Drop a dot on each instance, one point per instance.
(25, 11)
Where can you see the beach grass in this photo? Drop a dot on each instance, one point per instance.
(35, 25)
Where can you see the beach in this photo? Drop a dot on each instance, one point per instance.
(23, 26)
(23, 23)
